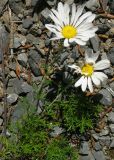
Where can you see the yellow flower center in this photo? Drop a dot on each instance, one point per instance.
(87, 70)
(69, 31)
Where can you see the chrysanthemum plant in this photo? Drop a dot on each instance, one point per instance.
(72, 25)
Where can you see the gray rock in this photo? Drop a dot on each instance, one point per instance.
(16, 6)
(34, 67)
(1, 55)
(57, 131)
(2, 5)
(1, 121)
(45, 13)
(26, 88)
(97, 146)
(51, 2)
(34, 55)
(111, 126)
(111, 117)
(87, 157)
(104, 132)
(32, 39)
(64, 56)
(95, 42)
(84, 148)
(1, 109)
(18, 41)
(103, 28)
(22, 59)
(95, 136)
(111, 55)
(27, 23)
(112, 7)
(12, 98)
(105, 140)
(99, 155)
(106, 97)
(112, 144)
(19, 86)
(92, 5)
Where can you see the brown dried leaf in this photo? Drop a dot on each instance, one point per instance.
(18, 70)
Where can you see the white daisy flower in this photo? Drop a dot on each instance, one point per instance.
(71, 25)
(90, 72)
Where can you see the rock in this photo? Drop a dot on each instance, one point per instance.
(112, 144)
(45, 13)
(17, 7)
(34, 55)
(111, 117)
(95, 136)
(26, 88)
(111, 55)
(19, 40)
(104, 132)
(57, 131)
(97, 146)
(27, 23)
(2, 5)
(104, 140)
(92, 5)
(98, 155)
(111, 32)
(103, 28)
(12, 98)
(51, 2)
(34, 67)
(31, 39)
(112, 7)
(84, 148)
(64, 56)
(22, 59)
(1, 109)
(1, 55)
(95, 42)
(1, 121)
(106, 97)
(111, 126)
(87, 157)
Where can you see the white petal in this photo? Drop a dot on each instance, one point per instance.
(73, 13)
(90, 86)
(95, 80)
(73, 66)
(55, 19)
(56, 38)
(79, 82)
(83, 38)
(77, 68)
(78, 41)
(58, 34)
(66, 13)
(91, 18)
(103, 64)
(101, 76)
(82, 18)
(89, 33)
(66, 44)
(61, 10)
(86, 27)
(84, 84)
(91, 57)
(78, 13)
(51, 26)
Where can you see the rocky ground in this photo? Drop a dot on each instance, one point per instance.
(24, 40)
